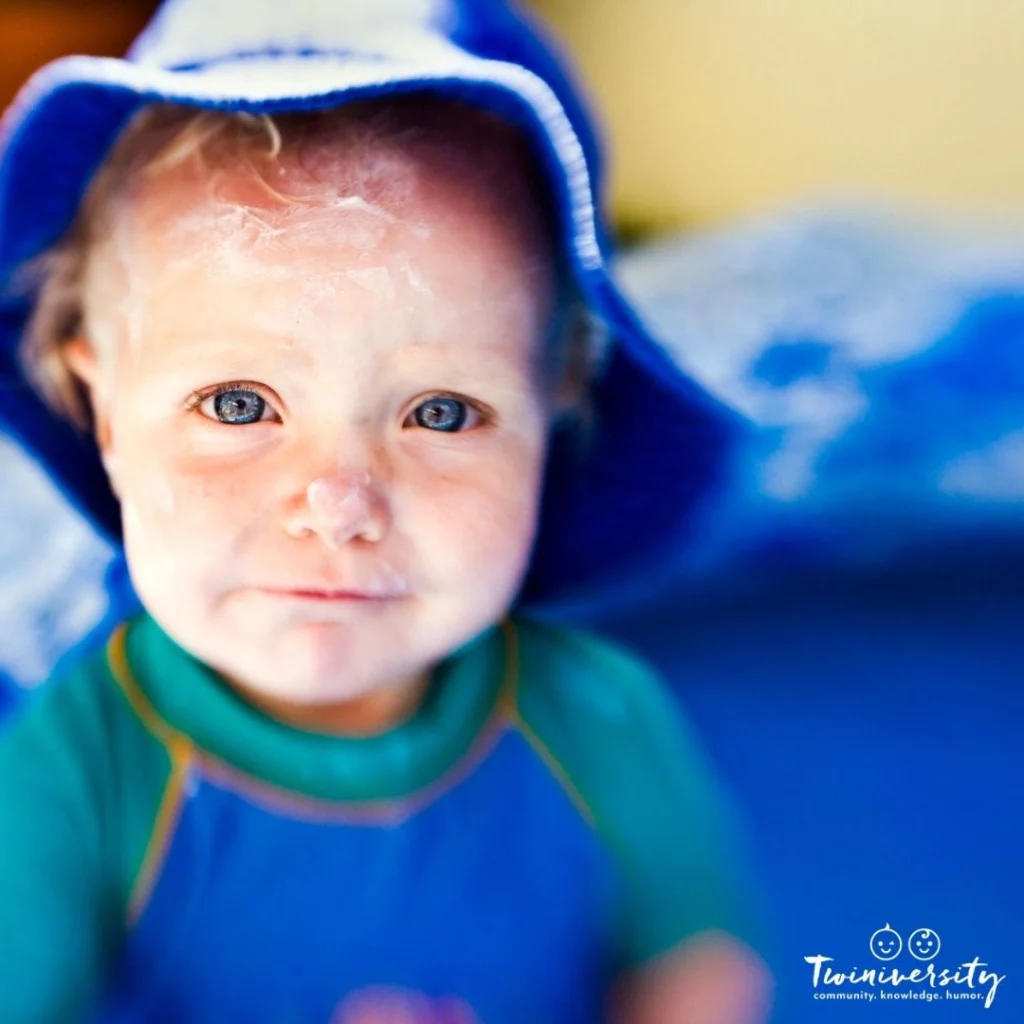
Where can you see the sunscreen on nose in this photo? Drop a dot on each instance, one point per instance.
(337, 495)
(342, 504)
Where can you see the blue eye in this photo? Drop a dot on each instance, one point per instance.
(441, 413)
(238, 406)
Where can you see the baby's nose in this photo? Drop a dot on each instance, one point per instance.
(342, 506)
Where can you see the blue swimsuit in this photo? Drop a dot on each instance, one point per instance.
(543, 822)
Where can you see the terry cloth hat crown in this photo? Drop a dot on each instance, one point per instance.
(607, 521)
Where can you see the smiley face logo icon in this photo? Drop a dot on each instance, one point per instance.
(923, 944)
(886, 944)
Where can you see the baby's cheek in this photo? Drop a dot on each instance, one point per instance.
(480, 522)
(218, 503)
(180, 517)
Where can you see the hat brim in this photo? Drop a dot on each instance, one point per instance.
(659, 443)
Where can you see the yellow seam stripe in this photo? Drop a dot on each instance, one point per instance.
(510, 682)
(117, 657)
(179, 750)
(160, 836)
(510, 704)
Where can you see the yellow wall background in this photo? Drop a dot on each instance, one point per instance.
(716, 108)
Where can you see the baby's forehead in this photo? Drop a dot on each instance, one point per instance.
(317, 193)
(412, 222)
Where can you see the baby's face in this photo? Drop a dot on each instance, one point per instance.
(361, 498)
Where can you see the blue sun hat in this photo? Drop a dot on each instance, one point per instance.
(610, 519)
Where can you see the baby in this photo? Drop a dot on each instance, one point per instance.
(316, 353)
(330, 772)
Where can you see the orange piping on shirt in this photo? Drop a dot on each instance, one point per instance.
(179, 750)
(163, 829)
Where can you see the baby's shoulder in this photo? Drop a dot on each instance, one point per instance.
(607, 718)
(574, 679)
(626, 750)
(70, 709)
(77, 731)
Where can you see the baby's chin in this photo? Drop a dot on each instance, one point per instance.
(318, 662)
(316, 656)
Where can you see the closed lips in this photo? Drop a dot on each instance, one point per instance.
(317, 594)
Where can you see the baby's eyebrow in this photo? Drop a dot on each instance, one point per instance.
(462, 354)
(255, 341)
(489, 377)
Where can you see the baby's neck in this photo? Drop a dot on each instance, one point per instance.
(368, 715)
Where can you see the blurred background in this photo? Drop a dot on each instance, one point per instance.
(721, 108)
(822, 205)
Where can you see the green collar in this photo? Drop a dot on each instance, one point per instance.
(183, 700)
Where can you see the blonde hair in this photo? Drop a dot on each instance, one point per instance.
(163, 136)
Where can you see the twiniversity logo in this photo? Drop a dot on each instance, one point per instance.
(969, 981)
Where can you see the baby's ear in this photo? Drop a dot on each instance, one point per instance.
(568, 398)
(81, 359)
(572, 389)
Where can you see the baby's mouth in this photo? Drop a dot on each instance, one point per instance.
(386, 584)
(318, 594)
(341, 595)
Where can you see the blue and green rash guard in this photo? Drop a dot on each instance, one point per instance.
(168, 852)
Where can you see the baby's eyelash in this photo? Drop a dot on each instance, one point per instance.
(485, 411)
(197, 398)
